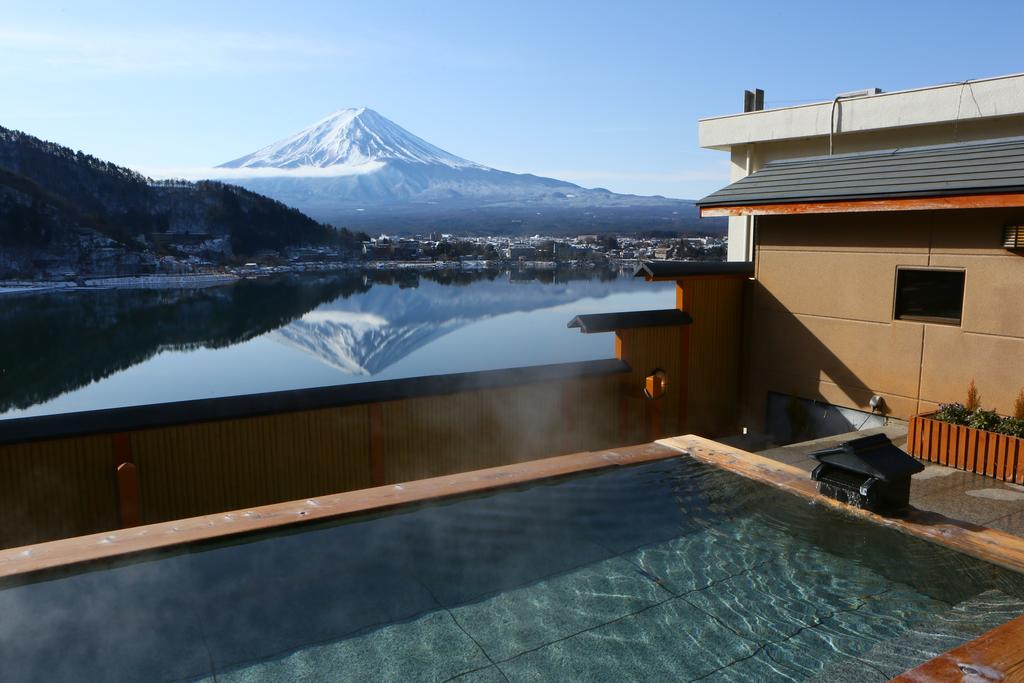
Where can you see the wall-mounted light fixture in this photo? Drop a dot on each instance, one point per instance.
(1013, 237)
(656, 384)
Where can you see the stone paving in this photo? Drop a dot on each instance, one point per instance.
(951, 492)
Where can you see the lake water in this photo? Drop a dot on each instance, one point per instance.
(91, 349)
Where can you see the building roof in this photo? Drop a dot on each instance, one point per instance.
(676, 270)
(972, 168)
(609, 322)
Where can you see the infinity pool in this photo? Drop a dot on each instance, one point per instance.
(670, 571)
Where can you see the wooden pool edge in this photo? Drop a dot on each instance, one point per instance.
(996, 655)
(990, 545)
(993, 656)
(133, 541)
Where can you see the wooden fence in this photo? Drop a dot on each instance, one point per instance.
(973, 450)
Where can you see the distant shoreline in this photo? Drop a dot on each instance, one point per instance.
(204, 280)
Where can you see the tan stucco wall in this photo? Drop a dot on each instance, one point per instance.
(822, 311)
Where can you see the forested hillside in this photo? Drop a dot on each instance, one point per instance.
(57, 204)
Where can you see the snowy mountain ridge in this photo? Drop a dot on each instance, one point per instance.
(350, 138)
(355, 168)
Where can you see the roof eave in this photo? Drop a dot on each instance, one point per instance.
(862, 205)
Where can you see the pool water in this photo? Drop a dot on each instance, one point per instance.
(669, 571)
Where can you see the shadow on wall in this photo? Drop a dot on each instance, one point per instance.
(794, 381)
(790, 419)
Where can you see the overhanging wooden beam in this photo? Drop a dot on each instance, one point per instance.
(979, 201)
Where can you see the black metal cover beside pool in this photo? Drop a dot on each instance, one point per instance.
(869, 473)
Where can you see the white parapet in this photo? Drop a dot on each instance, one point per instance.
(977, 99)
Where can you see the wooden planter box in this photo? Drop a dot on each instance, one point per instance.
(965, 448)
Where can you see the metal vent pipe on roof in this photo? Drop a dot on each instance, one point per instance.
(753, 100)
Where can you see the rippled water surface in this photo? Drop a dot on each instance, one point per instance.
(671, 571)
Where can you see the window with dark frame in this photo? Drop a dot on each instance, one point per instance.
(930, 296)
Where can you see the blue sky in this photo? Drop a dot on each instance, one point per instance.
(600, 93)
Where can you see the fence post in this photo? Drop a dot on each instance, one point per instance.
(127, 477)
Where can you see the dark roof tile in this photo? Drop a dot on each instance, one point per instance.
(963, 168)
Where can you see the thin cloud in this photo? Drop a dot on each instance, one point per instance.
(119, 52)
(211, 173)
(599, 176)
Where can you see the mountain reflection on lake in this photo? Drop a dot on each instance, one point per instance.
(91, 349)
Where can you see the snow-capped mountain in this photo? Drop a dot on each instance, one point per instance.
(359, 169)
(349, 138)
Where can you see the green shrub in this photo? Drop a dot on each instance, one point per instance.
(954, 413)
(988, 420)
(1012, 426)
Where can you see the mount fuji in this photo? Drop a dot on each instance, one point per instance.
(358, 169)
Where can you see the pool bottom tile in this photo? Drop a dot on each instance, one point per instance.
(778, 599)
(757, 669)
(261, 619)
(489, 675)
(671, 641)
(430, 648)
(510, 623)
(119, 624)
(697, 560)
